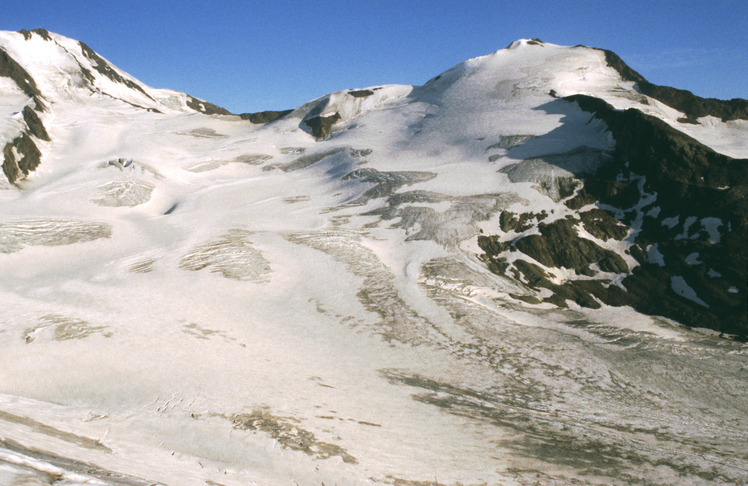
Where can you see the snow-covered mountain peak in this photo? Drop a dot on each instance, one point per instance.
(68, 71)
(529, 66)
(525, 43)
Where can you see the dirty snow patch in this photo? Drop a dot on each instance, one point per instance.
(682, 288)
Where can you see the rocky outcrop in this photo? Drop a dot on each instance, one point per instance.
(602, 225)
(361, 93)
(9, 68)
(509, 221)
(20, 156)
(551, 249)
(321, 125)
(263, 117)
(680, 209)
(43, 33)
(205, 107)
(105, 69)
(34, 124)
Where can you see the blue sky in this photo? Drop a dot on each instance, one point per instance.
(263, 55)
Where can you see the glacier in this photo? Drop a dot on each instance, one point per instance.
(362, 290)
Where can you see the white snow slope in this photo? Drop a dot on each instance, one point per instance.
(190, 299)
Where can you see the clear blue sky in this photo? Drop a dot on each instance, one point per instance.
(275, 54)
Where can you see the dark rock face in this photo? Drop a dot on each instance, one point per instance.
(361, 93)
(43, 33)
(682, 169)
(706, 192)
(9, 68)
(36, 128)
(519, 222)
(682, 207)
(603, 225)
(205, 107)
(28, 159)
(321, 125)
(10, 166)
(105, 69)
(693, 106)
(21, 155)
(551, 249)
(263, 117)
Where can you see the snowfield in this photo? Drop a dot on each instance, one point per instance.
(192, 299)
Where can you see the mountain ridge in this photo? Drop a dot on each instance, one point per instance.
(525, 270)
(683, 100)
(323, 116)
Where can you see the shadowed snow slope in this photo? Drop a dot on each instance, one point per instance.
(517, 273)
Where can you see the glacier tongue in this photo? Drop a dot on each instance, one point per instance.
(392, 285)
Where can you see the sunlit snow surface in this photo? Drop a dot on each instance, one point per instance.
(244, 305)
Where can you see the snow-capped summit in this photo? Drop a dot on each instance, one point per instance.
(502, 276)
(65, 70)
(46, 72)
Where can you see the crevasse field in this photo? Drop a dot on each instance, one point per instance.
(191, 299)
